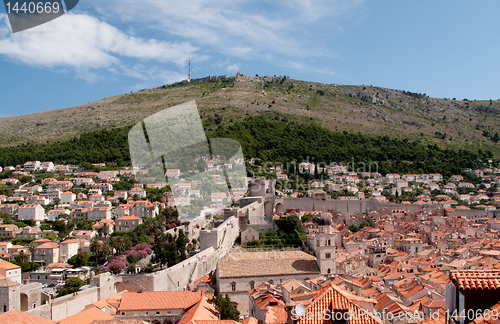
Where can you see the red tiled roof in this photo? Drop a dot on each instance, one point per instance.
(15, 316)
(495, 309)
(276, 314)
(6, 265)
(203, 310)
(439, 318)
(336, 300)
(159, 300)
(476, 279)
(48, 245)
(87, 316)
(128, 218)
(217, 322)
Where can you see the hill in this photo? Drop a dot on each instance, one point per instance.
(450, 123)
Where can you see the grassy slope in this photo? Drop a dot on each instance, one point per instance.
(365, 109)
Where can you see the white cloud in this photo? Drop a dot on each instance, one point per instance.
(84, 43)
(249, 30)
(274, 33)
(233, 68)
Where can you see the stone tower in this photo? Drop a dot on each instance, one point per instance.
(10, 295)
(325, 250)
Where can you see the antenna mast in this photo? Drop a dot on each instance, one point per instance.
(189, 69)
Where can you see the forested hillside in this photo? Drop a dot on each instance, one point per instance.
(275, 139)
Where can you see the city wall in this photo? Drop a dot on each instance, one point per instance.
(366, 206)
(217, 243)
(68, 305)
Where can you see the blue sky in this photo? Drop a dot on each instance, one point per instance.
(103, 48)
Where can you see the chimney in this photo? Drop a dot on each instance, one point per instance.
(288, 308)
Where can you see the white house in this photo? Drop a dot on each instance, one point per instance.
(53, 214)
(69, 248)
(95, 198)
(67, 197)
(32, 166)
(5, 246)
(47, 166)
(31, 211)
(99, 213)
(10, 271)
(141, 193)
(466, 185)
(37, 200)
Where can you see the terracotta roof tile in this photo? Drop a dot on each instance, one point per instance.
(495, 309)
(6, 265)
(15, 317)
(203, 310)
(335, 299)
(476, 279)
(87, 316)
(276, 315)
(159, 300)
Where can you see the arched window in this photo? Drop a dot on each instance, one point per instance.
(252, 284)
(328, 271)
(233, 286)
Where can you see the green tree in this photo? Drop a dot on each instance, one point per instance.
(181, 245)
(32, 248)
(80, 259)
(226, 309)
(144, 239)
(70, 286)
(28, 267)
(21, 258)
(61, 227)
(96, 248)
(107, 250)
(289, 224)
(353, 228)
(160, 249)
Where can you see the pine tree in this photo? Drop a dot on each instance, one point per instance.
(181, 245)
(226, 309)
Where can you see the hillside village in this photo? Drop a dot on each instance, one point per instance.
(392, 243)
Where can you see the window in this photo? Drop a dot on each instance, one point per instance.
(328, 271)
(4, 308)
(157, 313)
(271, 281)
(328, 255)
(233, 286)
(123, 313)
(252, 285)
